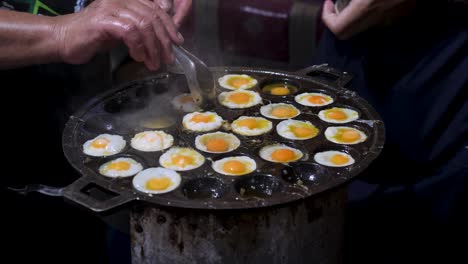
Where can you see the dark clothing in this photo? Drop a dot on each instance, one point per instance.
(42, 97)
(415, 73)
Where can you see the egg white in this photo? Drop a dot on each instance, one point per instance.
(267, 109)
(202, 127)
(148, 141)
(302, 99)
(283, 129)
(254, 99)
(266, 152)
(324, 158)
(249, 163)
(223, 81)
(331, 132)
(116, 144)
(135, 167)
(351, 115)
(232, 140)
(166, 159)
(245, 131)
(140, 180)
(181, 102)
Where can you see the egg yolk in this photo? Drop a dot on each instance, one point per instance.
(201, 118)
(336, 115)
(119, 166)
(283, 155)
(234, 166)
(239, 98)
(317, 99)
(339, 159)
(217, 145)
(152, 137)
(248, 122)
(302, 132)
(282, 112)
(158, 184)
(186, 99)
(237, 82)
(350, 136)
(182, 160)
(100, 143)
(280, 90)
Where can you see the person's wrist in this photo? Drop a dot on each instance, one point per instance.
(57, 36)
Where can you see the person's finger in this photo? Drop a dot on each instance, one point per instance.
(181, 10)
(145, 24)
(169, 26)
(164, 40)
(165, 5)
(349, 21)
(124, 29)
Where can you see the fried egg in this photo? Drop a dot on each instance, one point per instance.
(104, 145)
(279, 111)
(345, 135)
(235, 166)
(202, 121)
(237, 81)
(313, 99)
(152, 141)
(334, 158)
(239, 99)
(120, 167)
(279, 89)
(251, 126)
(181, 159)
(280, 153)
(184, 102)
(156, 180)
(218, 142)
(296, 130)
(338, 115)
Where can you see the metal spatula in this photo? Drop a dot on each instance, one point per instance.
(199, 78)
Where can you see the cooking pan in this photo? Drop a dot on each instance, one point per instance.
(121, 110)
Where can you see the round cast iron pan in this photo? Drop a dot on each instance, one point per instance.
(121, 110)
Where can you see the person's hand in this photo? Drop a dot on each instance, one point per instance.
(180, 9)
(146, 29)
(361, 15)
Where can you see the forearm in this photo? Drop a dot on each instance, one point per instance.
(26, 39)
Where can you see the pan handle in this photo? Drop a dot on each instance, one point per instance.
(340, 79)
(93, 194)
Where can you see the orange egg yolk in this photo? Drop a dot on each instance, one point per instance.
(217, 145)
(336, 115)
(283, 155)
(280, 90)
(350, 136)
(100, 143)
(158, 184)
(339, 159)
(237, 82)
(283, 112)
(302, 132)
(234, 166)
(119, 166)
(182, 160)
(186, 99)
(201, 118)
(317, 99)
(248, 122)
(239, 98)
